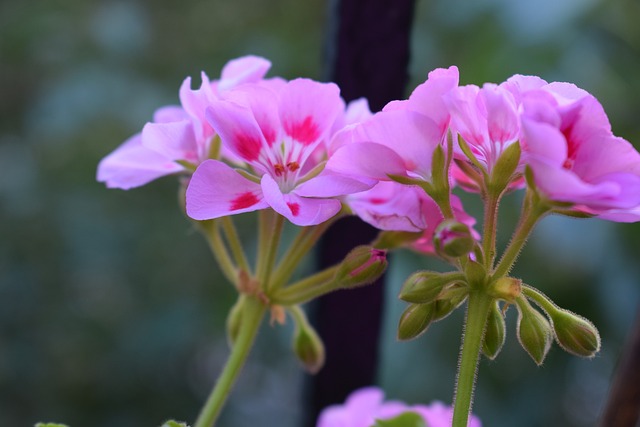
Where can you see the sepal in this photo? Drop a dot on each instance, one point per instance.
(425, 286)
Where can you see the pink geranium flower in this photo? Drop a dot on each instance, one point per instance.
(178, 136)
(366, 405)
(576, 159)
(401, 139)
(486, 118)
(274, 130)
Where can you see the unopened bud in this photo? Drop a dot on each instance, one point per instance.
(395, 239)
(307, 345)
(424, 286)
(506, 288)
(171, 423)
(575, 334)
(453, 239)
(450, 299)
(534, 331)
(415, 320)
(361, 266)
(406, 419)
(494, 335)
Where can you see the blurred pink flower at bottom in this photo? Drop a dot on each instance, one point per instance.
(366, 405)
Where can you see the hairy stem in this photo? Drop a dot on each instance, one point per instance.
(478, 307)
(252, 314)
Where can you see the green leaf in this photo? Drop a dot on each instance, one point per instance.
(406, 419)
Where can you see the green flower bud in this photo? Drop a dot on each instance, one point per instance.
(307, 345)
(415, 320)
(534, 331)
(450, 299)
(361, 266)
(453, 239)
(424, 286)
(575, 334)
(172, 423)
(494, 335)
(234, 318)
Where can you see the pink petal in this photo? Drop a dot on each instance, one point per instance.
(329, 184)
(195, 103)
(502, 118)
(518, 85)
(366, 160)
(411, 135)
(390, 206)
(246, 69)
(308, 109)
(170, 113)
(216, 190)
(544, 140)
(237, 128)
(427, 97)
(301, 211)
(263, 103)
(132, 165)
(174, 140)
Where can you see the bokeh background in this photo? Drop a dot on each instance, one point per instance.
(111, 308)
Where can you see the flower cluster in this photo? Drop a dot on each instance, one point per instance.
(296, 150)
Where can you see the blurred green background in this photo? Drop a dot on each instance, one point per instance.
(111, 308)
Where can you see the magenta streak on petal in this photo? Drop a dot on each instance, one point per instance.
(295, 208)
(243, 201)
(248, 147)
(305, 132)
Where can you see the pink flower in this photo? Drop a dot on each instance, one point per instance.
(574, 156)
(486, 118)
(366, 405)
(401, 139)
(178, 136)
(274, 130)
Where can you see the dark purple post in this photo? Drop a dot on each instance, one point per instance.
(623, 405)
(368, 56)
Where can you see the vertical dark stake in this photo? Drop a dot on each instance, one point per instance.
(368, 55)
(623, 405)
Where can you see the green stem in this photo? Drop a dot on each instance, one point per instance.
(231, 234)
(265, 222)
(253, 312)
(540, 299)
(301, 245)
(532, 213)
(307, 289)
(478, 307)
(272, 251)
(220, 253)
(489, 230)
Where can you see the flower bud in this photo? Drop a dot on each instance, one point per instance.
(307, 345)
(361, 266)
(424, 286)
(575, 334)
(171, 423)
(494, 335)
(449, 300)
(234, 318)
(453, 239)
(415, 320)
(395, 239)
(405, 419)
(534, 331)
